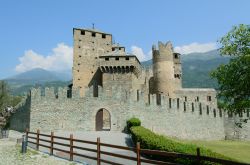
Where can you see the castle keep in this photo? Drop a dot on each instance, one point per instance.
(110, 86)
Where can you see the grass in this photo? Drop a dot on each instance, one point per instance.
(150, 140)
(239, 150)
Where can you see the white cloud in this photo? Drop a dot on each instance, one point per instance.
(140, 54)
(195, 47)
(61, 59)
(185, 49)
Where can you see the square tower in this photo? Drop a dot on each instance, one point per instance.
(89, 44)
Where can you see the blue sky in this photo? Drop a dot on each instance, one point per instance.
(37, 33)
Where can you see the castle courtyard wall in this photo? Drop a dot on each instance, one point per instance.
(51, 113)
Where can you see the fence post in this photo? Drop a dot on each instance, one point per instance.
(71, 147)
(51, 143)
(98, 151)
(27, 134)
(138, 153)
(198, 155)
(37, 139)
(23, 144)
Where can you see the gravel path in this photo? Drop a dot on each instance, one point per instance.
(10, 155)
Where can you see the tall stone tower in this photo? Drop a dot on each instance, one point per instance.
(166, 69)
(89, 44)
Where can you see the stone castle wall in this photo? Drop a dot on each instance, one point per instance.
(172, 117)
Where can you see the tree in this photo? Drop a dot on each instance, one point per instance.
(4, 96)
(7, 102)
(234, 78)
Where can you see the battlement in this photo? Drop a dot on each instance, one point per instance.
(119, 94)
(92, 33)
(164, 49)
(120, 64)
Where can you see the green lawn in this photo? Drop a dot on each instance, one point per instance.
(239, 150)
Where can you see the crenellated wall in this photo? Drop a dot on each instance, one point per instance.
(164, 115)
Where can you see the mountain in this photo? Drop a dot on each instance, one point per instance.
(21, 83)
(38, 76)
(196, 68)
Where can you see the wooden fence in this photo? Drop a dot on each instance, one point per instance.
(51, 140)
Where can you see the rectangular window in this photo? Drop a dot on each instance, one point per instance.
(93, 34)
(106, 59)
(209, 98)
(82, 32)
(120, 48)
(103, 35)
(113, 49)
(176, 56)
(127, 58)
(185, 98)
(117, 58)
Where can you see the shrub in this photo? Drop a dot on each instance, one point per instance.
(133, 122)
(150, 140)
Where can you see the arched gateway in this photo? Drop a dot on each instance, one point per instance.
(103, 121)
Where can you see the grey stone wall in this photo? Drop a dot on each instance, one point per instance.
(170, 117)
(232, 128)
(204, 95)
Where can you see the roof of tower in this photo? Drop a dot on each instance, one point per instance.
(92, 30)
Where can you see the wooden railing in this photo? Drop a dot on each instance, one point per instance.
(36, 138)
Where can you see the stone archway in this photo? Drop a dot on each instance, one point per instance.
(103, 120)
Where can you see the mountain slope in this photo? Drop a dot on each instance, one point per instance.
(37, 76)
(196, 68)
(21, 83)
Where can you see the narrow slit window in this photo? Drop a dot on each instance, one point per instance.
(197, 98)
(176, 56)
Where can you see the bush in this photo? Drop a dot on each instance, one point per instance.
(150, 140)
(133, 122)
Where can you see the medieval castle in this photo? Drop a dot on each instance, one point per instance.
(111, 86)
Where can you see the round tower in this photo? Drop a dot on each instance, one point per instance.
(163, 69)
